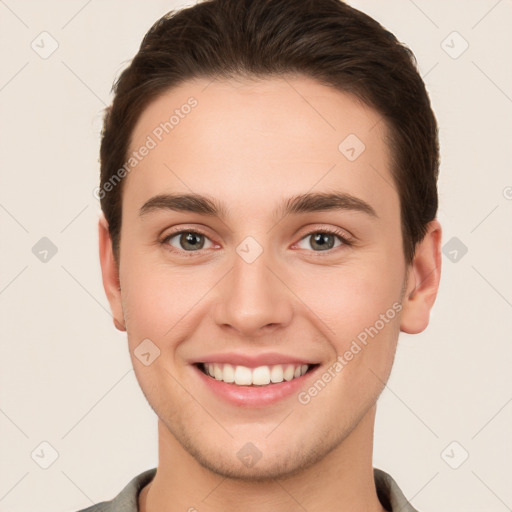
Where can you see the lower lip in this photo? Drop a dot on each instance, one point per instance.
(255, 396)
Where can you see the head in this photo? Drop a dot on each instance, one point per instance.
(250, 104)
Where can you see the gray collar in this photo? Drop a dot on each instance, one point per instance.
(388, 492)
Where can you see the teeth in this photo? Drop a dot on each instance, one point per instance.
(260, 376)
(217, 372)
(289, 373)
(243, 375)
(228, 373)
(276, 374)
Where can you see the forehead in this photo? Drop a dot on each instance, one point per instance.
(260, 140)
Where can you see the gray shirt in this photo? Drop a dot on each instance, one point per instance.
(388, 492)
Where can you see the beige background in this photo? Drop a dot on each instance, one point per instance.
(65, 373)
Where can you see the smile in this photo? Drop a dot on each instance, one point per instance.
(260, 376)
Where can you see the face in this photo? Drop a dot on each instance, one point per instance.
(243, 288)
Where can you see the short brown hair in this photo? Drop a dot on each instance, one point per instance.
(327, 40)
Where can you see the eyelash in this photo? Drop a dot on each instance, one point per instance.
(330, 231)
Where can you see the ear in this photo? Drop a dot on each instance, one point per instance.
(422, 281)
(110, 274)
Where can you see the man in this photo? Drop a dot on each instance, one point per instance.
(268, 185)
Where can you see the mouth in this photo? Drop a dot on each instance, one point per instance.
(254, 380)
(260, 376)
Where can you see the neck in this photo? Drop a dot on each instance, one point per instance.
(343, 480)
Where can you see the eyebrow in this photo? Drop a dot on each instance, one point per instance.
(303, 203)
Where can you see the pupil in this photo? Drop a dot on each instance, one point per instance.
(192, 239)
(322, 240)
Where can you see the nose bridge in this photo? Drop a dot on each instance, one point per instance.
(252, 297)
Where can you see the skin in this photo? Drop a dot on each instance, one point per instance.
(251, 144)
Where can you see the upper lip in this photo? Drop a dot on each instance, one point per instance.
(253, 361)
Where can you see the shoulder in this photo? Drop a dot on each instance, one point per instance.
(127, 499)
(390, 495)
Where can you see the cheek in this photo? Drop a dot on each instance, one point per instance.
(362, 311)
(351, 298)
(150, 298)
(161, 302)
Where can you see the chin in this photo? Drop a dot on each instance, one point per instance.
(261, 461)
(264, 470)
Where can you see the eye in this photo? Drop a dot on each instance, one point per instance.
(193, 241)
(188, 241)
(324, 240)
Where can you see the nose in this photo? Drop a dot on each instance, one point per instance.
(254, 299)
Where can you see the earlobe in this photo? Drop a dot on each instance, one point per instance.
(422, 281)
(110, 274)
